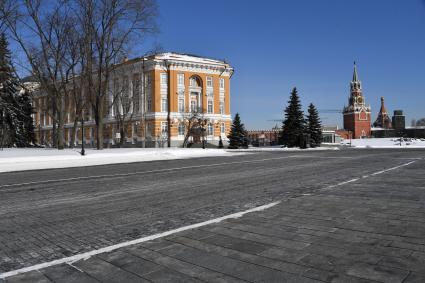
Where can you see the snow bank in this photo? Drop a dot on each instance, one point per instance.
(31, 159)
(278, 148)
(385, 143)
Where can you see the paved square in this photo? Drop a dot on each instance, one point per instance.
(370, 229)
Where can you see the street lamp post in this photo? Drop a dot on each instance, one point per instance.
(83, 152)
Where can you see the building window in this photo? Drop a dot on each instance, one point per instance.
(210, 129)
(136, 94)
(148, 80)
(210, 107)
(149, 106)
(223, 128)
(194, 82)
(193, 106)
(221, 83)
(164, 78)
(149, 130)
(181, 105)
(209, 82)
(221, 107)
(180, 79)
(164, 128)
(164, 106)
(181, 129)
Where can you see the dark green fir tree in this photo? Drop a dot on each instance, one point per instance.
(16, 123)
(237, 136)
(9, 108)
(26, 135)
(294, 124)
(314, 126)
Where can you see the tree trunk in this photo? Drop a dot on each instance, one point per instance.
(74, 130)
(61, 122)
(99, 124)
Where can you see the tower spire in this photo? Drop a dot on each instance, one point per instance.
(355, 76)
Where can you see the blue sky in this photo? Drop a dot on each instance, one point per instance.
(310, 44)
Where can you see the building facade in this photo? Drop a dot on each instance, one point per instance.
(264, 137)
(155, 99)
(357, 118)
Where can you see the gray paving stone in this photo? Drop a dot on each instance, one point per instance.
(292, 268)
(378, 273)
(65, 273)
(268, 240)
(232, 267)
(29, 277)
(106, 272)
(182, 266)
(238, 244)
(415, 278)
(166, 275)
(128, 262)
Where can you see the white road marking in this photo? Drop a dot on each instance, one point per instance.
(84, 256)
(370, 175)
(392, 168)
(139, 172)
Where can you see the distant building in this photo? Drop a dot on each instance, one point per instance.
(330, 134)
(264, 137)
(383, 120)
(357, 115)
(399, 120)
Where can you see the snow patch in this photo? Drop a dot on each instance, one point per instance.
(385, 143)
(33, 159)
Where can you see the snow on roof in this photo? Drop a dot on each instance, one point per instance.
(187, 58)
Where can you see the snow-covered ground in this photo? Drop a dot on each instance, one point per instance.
(279, 148)
(31, 159)
(385, 143)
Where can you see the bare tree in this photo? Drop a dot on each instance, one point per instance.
(123, 102)
(109, 27)
(194, 124)
(40, 28)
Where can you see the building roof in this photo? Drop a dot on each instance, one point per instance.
(186, 58)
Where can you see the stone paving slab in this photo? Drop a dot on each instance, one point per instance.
(371, 230)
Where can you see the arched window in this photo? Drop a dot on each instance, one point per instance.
(195, 82)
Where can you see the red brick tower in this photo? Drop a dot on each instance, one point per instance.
(383, 120)
(357, 114)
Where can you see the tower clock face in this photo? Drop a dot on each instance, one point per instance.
(360, 99)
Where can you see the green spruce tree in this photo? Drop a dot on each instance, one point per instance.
(9, 108)
(26, 137)
(314, 126)
(293, 126)
(237, 136)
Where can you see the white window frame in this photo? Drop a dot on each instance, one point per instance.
(222, 128)
(210, 82)
(222, 83)
(210, 129)
(181, 104)
(164, 78)
(164, 128)
(193, 105)
(180, 80)
(221, 107)
(210, 103)
(164, 104)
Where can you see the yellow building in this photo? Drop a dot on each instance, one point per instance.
(147, 95)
